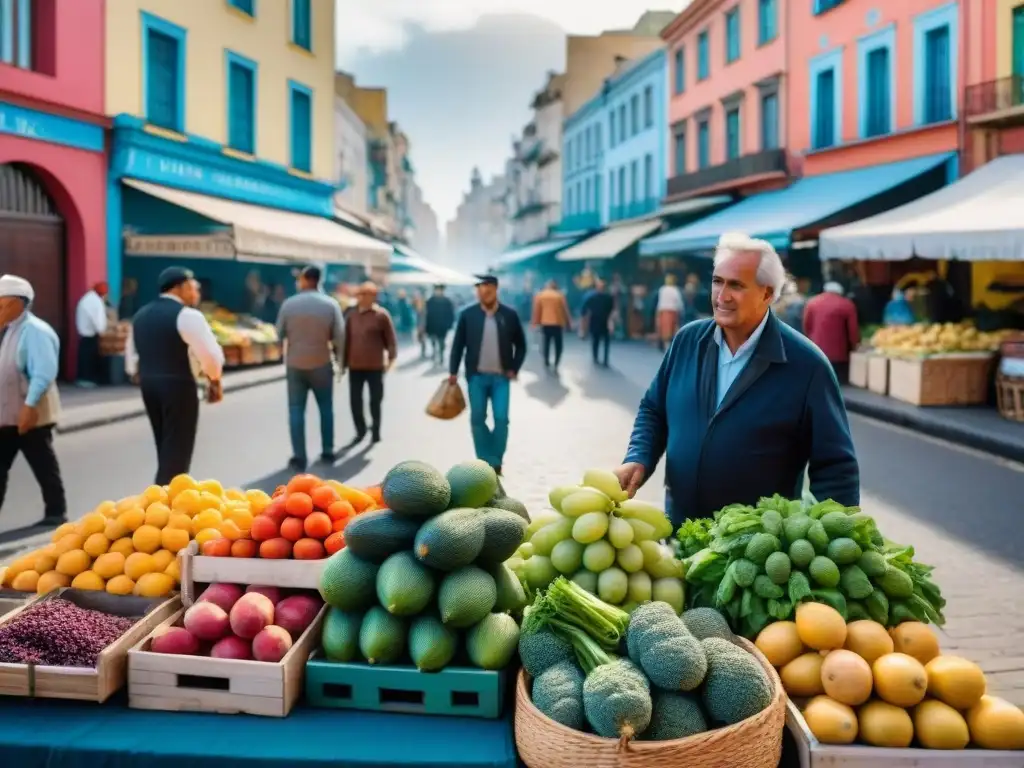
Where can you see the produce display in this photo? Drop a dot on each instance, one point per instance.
(756, 564)
(304, 520)
(231, 329)
(258, 623)
(886, 688)
(607, 543)
(935, 338)
(427, 572)
(130, 546)
(676, 676)
(58, 633)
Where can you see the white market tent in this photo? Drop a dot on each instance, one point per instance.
(978, 218)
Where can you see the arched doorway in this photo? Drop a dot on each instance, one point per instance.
(32, 242)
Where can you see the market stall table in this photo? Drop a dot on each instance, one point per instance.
(40, 734)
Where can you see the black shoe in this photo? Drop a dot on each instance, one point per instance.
(299, 465)
(375, 439)
(328, 458)
(357, 439)
(54, 520)
(497, 470)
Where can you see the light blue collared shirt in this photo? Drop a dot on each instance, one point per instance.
(730, 365)
(38, 357)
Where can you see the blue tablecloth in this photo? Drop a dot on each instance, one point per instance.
(56, 734)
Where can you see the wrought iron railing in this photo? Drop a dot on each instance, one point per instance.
(756, 164)
(994, 96)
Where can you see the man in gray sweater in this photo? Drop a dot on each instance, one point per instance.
(311, 327)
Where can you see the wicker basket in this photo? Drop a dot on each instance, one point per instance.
(1010, 397)
(754, 743)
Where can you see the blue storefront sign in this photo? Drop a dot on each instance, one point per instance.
(30, 124)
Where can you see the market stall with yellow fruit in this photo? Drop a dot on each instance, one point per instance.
(246, 340)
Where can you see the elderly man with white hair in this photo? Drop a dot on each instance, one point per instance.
(29, 403)
(742, 404)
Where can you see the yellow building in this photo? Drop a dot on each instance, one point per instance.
(223, 141)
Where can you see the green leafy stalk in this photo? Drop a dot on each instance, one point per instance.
(574, 605)
(694, 535)
(588, 653)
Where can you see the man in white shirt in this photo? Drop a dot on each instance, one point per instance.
(669, 310)
(164, 333)
(90, 322)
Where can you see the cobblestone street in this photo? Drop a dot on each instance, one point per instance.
(958, 507)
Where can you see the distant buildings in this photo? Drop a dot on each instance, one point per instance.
(480, 227)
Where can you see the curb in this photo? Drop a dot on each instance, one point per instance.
(138, 410)
(952, 433)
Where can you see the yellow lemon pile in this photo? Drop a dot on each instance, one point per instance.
(130, 547)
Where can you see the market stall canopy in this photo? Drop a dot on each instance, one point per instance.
(978, 218)
(610, 243)
(773, 216)
(544, 248)
(409, 268)
(275, 234)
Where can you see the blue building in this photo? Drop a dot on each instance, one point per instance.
(583, 168)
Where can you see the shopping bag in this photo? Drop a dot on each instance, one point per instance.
(447, 402)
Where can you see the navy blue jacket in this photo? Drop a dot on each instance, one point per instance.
(469, 334)
(783, 414)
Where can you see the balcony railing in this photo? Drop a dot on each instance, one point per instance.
(633, 210)
(577, 222)
(756, 164)
(994, 96)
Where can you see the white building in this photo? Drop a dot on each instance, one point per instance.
(480, 229)
(425, 236)
(351, 162)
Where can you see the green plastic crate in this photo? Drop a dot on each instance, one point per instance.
(456, 691)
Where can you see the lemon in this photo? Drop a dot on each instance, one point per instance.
(174, 571)
(105, 508)
(146, 539)
(154, 585)
(158, 514)
(115, 529)
(96, 545)
(44, 562)
(174, 539)
(240, 517)
(123, 545)
(109, 565)
(62, 531)
(162, 558)
(26, 581)
(138, 565)
(180, 484)
(207, 534)
(229, 530)
(52, 580)
(208, 518)
(155, 494)
(132, 518)
(212, 487)
(92, 523)
(187, 501)
(258, 500)
(69, 542)
(210, 501)
(123, 505)
(88, 580)
(73, 563)
(120, 585)
(234, 494)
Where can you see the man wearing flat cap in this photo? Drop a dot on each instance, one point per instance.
(490, 336)
(29, 403)
(371, 348)
(163, 334)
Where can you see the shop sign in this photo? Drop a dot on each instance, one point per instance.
(55, 129)
(204, 247)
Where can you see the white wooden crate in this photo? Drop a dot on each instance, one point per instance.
(199, 569)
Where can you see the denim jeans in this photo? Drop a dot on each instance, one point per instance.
(489, 442)
(319, 381)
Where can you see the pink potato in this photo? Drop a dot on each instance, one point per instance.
(271, 644)
(224, 595)
(207, 621)
(297, 612)
(271, 592)
(176, 640)
(251, 614)
(232, 647)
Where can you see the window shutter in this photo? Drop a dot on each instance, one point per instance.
(162, 108)
(825, 128)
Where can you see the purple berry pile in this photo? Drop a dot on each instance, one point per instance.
(58, 633)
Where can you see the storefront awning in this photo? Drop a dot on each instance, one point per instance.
(275, 234)
(610, 243)
(511, 258)
(409, 268)
(773, 216)
(978, 218)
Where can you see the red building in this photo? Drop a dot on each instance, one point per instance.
(53, 164)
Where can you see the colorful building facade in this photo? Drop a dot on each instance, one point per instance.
(53, 164)
(583, 151)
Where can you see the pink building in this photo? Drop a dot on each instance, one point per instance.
(727, 97)
(872, 83)
(53, 164)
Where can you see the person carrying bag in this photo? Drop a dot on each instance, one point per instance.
(447, 402)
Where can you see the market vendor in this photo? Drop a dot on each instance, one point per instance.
(742, 404)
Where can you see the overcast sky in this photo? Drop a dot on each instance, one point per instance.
(460, 88)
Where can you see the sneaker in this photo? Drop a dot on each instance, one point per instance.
(299, 465)
(328, 458)
(54, 520)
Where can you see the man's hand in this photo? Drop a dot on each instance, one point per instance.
(453, 380)
(389, 366)
(631, 477)
(511, 375)
(214, 391)
(28, 417)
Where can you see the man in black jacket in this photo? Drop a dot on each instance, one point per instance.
(491, 336)
(440, 317)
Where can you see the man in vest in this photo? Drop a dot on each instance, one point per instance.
(29, 403)
(163, 334)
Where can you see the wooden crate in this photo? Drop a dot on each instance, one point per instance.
(110, 674)
(456, 691)
(814, 754)
(228, 686)
(941, 380)
(232, 355)
(197, 570)
(878, 374)
(252, 354)
(859, 369)
(272, 352)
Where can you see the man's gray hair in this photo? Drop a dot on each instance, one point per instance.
(770, 272)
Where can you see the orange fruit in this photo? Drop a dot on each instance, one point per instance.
(244, 548)
(303, 483)
(317, 525)
(174, 539)
(217, 547)
(340, 509)
(263, 528)
(339, 525)
(298, 504)
(292, 529)
(308, 549)
(275, 510)
(334, 543)
(360, 500)
(276, 549)
(323, 496)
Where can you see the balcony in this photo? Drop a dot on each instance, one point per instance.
(732, 173)
(996, 102)
(578, 222)
(633, 210)
(528, 209)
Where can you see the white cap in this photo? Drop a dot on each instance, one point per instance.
(833, 287)
(12, 285)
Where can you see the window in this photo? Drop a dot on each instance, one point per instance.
(680, 72)
(648, 107)
(597, 192)
(767, 21)
(587, 152)
(622, 123)
(248, 7)
(820, 6)
(732, 133)
(579, 152)
(597, 139)
(634, 114)
(938, 102)
(770, 121)
(703, 145)
(732, 35)
(570, 209)
(588, 201)
(648, 177)
(679, 153)
(302, 24)
(703, 55)
(163, 58)
(581, 204)
(1018, 40)
(611, 129)
(634, 181)
(611, 188)
(622, 185)
(16, 33)
(824, 129)
(877, 119)
(301, 127)
(241, 104)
